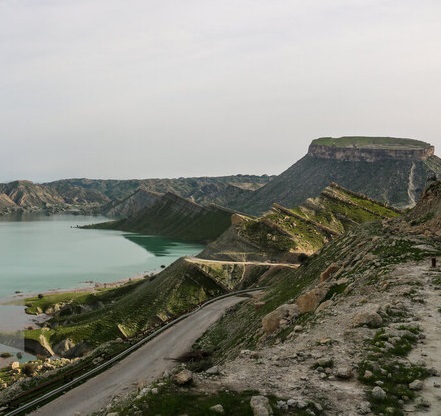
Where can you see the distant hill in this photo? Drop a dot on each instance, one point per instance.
(28, 196)
(203, 190)
(391, 170)
(173, 216)
(120, 197)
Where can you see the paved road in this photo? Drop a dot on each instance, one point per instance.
(144, 365)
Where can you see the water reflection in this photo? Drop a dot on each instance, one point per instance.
(157, 245)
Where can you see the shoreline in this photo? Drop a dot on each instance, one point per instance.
(92, 286)
(19, 320)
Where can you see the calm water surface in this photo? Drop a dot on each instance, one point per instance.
(40, 253)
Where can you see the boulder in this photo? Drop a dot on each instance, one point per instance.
(14, 365)
(378, 393)
(213, 370)
(416, 385)
(63, 346)
(217, 409)
(309, 301)
(344, 372)
(324, 305)
(183, 377)
(284, 313)
(260, 406)
(329, 272)
(369, 318)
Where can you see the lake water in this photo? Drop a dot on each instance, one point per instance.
(40, 253)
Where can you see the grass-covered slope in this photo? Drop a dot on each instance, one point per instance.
(282, 234)
(175, 217)
(128, 310)
(365, 315)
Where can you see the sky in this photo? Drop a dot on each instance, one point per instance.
(170, 88)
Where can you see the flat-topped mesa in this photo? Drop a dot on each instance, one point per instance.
(370, 149)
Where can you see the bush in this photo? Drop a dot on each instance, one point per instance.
(29, 369)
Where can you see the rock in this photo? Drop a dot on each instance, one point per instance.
(309, 301)
(183, 377)
(112, 414)
(416, 385)
(369, 318)
(368, 374)
(344, 372)
(378, 393)
(260, 406)
(302, 404)
(14, 365)
(291, 403)
(213, 370)
(421, 402)
(250, 354)
(63, 346)
(282, 405)
(155, 390)
(217, 409)
(329, 272)
(324, 305)
(271, 322)
(324, 362)
(364, 408)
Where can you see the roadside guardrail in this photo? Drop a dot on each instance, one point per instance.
(120, 356)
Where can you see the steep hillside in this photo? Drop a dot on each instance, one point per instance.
(203, 189)
(26, 195)
(386, 169)
(353, 331)
(132, 204)
(176, 217)
(426, 216)
(285, 234)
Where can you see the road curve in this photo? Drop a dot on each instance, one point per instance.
(144, 365)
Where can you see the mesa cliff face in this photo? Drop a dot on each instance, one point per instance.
(387, 169)
(367, 154)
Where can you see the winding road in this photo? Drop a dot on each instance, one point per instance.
(144, 365)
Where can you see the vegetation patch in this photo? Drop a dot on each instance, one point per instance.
(172, 400)
(386, 368)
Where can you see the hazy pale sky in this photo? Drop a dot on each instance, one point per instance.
(169, 88)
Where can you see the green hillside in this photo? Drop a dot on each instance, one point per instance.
(175, 217)
(285, 233)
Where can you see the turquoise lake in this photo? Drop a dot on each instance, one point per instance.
(42, 253)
